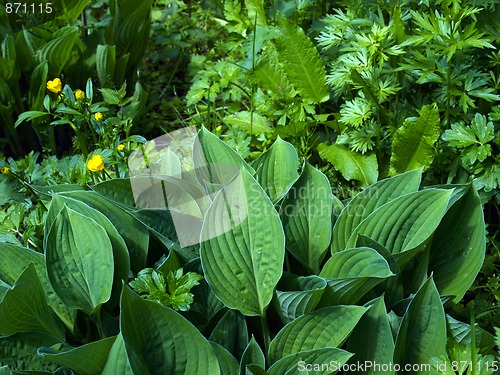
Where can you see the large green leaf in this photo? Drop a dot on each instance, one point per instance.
(215, 162)
(227, 363)
(24, 308)
(117, 361)
(322, 361)
(88, 359)
(252, 356)
(160, 341)
(368, 200)
(351, 273)
(58, 51)
(458, 247)
(363, 168)
(231, 332)
(13, 261)
(105, 64)
(413, 143)
(371, 341)
(306, 213)
(301, 62)
(79, 265)
(276, 169)
(422, 334)
(328, 327)
(242, 249)
(296, 296)
(405, 222)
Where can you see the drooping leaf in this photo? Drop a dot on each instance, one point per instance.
(413, 143)
(422, 334)
(327, 327)
(306, 214)
(242, 249)
(352, 165)
(80, 266)
(160, 341)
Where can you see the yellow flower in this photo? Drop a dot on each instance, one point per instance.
(5, 170)
(120, 147)
(55, 85)
(79, 95)
(98, 116)
(95, 164)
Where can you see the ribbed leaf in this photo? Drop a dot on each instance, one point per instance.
(231, 332)
(88, 359)
(298, 363)
(371, 341)
(58, 51)
(422, 334)
(79, 265)
(160, 341)
(458, 247)
(413, 143)
(405, 222)
(252, 356)
(296, 296)
(227, 363)
(105, 64)
(306, 214)
(38, 83)
(363, 168)
(301, 61)
(351, 273)
(270, 75)
(117, 362)
(368, 200)
(24, 308)
(328, 327)
(242, 250)
(13, 261)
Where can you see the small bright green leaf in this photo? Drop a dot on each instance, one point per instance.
(80, 266)
(422, 334)
(328, 327)
(252, 355)
(252, 123)
(371, 341)
(117, 362)
(368, 200)
(276, 169)
(24, 308)
(413, 143)
(88, 359)
(352, 165)
(306, 214)
(231, 332)
(242, 250)
(160, 341)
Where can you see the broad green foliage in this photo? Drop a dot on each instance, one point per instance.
(256, 291)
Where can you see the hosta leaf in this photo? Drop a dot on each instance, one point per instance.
(422, 334)
(352, 165)
(296, 296)
(242, 250)
(368, 200)
(13, 261)
(276, 169)
(160, 341)
(413, 143)
(373, 328)
(231, 332)
(117, 362)
(80, 266)
(306, 214)
(252, 356)
(88, 359)
(405, 222)
(351, 273)
(58, 51)
(458, 247)
(215, 162)
(301, 61)
(323, 361)
(328, 327)
(24, 308)
(227, 363)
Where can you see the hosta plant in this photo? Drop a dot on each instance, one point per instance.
(293, 280)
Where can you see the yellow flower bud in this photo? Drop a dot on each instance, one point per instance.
(55, 85)
(98, 116)
(5, 170)
(95, 164)
(120, 147)
(79, 95)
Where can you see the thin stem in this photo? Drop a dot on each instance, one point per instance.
(266, 335)
(473, 342)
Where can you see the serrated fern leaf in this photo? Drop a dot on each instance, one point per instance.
(301, 61)
(412, 144)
